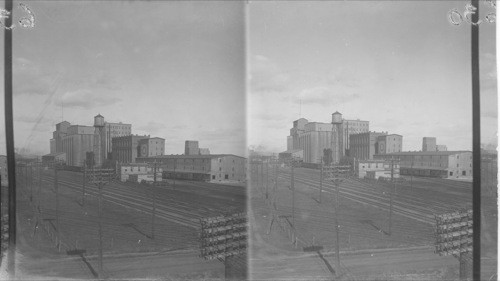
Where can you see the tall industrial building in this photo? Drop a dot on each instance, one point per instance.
(391, 143)
(77, 140)
(338, 145)
(151, 147)
(364, 145)
(313, 137)
(191, 148)
(428, 144)
(352, 127)
(114, 130)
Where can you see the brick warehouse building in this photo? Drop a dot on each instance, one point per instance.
(442, 164)
(210, 168)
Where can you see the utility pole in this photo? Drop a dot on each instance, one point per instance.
(261, 175)
(84, 183)
(292, 186)
(393, 185)
(321, 180)
(153, 211)
(337, 174)
(31, 182)
(39, 184)
(100, 177)
(56, 188)
(267, 180)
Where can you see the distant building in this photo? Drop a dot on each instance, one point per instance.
(191, 148)
(143, 171)
(441, 147)
(375, 169)
(314, 137)
(56, 157)
(126, 149)
(204, 151)
(352, 127)
(114, 130)
(150, 147)
(77, 140)
(364, 145)
(390, 143)
(428, 144)
(212, 168)
(294, 155)
(442, 164)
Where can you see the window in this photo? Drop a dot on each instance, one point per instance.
(463, 173)
(226, 177)
(213, 177)
(451, 173)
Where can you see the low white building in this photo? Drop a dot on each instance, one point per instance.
(376, 168)
(141, 171)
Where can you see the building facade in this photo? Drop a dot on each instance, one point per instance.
(191, 148)
(442, 164)
(144, 170)
(375, 169)
(204, 151)
(211, 168)
(151, 147)
(364, 145)
(314, 137)
(114, 130)
(429, 144)
(441, 147)
(77, 140)
(352, 127)
(391, 143)
(126, 148)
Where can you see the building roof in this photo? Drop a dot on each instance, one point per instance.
(99, 115)
(191, 156)
(292, 151)
(55, 154)
(427, 153)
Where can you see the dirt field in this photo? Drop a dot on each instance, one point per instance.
(365, 224)
(126, 222)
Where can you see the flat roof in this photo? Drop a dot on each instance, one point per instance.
(191, 156)
(427, 152)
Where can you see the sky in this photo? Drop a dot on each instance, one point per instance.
(399, 64)
(174, 70)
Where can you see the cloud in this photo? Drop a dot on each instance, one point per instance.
(343, 77)
(324, 95)
(87, 99)
(266, 76)
(152, 127)
(29, 79)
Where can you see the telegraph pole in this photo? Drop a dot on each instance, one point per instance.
(393, 184)
(267, 180)
(39, 184)
(56, 188)
(337, 174)
(321, 180)
(100, 177)
(153, 211)
(31, 182)
(292, 186)
(84, 182)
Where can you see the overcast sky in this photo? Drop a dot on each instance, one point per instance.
(399, 64)
(174, 70)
